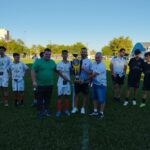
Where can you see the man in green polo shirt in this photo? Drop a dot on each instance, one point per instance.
(42, 74)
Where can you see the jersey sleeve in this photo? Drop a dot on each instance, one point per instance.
(35, 65)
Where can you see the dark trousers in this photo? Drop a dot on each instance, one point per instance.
(44, 94)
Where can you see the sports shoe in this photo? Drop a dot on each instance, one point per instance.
(67, 113)
(58, 114)
(6, 104)
(93, 113)
(133, 102)
(40, 115)
(100, 115)
(74, 110)
(47, 113)
(125, 103)
(83, 110)
(142, 105)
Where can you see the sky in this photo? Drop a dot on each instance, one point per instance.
(92, 22)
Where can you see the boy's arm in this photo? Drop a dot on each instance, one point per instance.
(33, 76)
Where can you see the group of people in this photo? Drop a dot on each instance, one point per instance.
(137, 66)
(16, 70)
(91, 75)
(43, 80)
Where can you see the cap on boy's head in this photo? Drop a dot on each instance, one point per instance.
(16, 54)
(3, 48)
(98, 54)
(137, 52)
(64, 51)
(147, 54)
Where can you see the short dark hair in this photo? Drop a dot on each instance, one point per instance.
(64, 51)
(137, 52)
(47, 49)
(122, 49)
(41, 54)
(16, 54)
(83, 48)
(147, 54)
(2, 47)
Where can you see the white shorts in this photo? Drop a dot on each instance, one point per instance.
(18, 85)
(64, 90)
(3, 82)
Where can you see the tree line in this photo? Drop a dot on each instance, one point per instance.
(112, 48)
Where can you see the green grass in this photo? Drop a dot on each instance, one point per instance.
(123, 128)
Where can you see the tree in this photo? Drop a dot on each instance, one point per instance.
(122, 42)
(106, 50)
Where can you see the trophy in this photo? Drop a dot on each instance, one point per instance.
(76, 66)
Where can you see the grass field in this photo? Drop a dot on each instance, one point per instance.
(123, 128)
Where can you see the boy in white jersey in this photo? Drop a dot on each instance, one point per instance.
(64, 89)
(118, 68)
(99, 80)
(4, 77)
(17, 71)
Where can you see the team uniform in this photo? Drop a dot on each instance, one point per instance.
(18, 71)
(63, 86)
(146, 82)
(4, 67)
(135, 67)
(119, 64)
(85, 63)
(99, 82)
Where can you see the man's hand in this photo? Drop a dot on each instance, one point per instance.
(34, 84)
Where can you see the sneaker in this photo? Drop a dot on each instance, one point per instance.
(83, 110)
(58, 114)
(133, 102)
(74, 110)
(6, 104)
(142, 105)
(47, 113)
(125, 103)
(67, 113)
(93, 113)
(100, 115)
(40, 115)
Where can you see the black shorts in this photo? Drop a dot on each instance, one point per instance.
(146, 85)
(118, 80)
(83, 88)
(134, 83)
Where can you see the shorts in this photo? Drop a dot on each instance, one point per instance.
(3, 82)
(17, 85)
(146, 85)
(99, 93)
(83, 88)
(132, 82)
(64, 90)
(118, 80)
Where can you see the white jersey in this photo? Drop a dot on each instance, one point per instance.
(86, 63)
(64, 68)
(4, 66)
(100, 68)
(119, 64)
(18, 70)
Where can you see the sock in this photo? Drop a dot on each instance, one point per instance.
(102, 112)
(127, 99)
(66, 104)
(143, 100)
(59, 105)
(95, 109)
(134, 99)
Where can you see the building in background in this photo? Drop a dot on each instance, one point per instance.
(4, 34)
